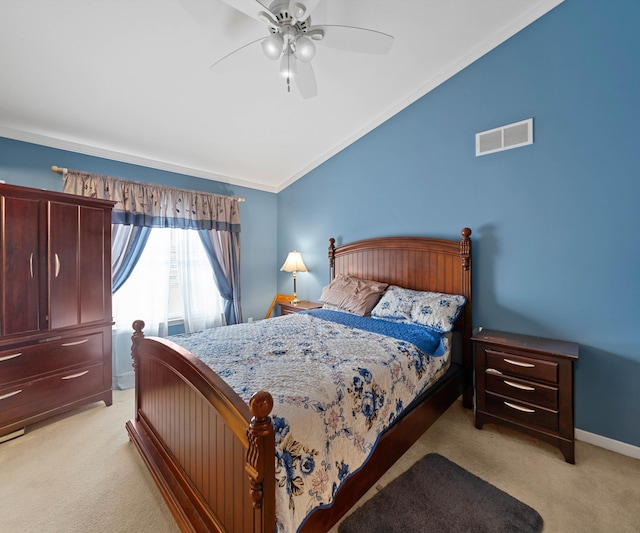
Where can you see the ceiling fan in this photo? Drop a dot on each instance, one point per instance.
(292, 39)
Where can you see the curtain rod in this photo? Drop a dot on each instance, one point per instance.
(59, 170)
(64, 171)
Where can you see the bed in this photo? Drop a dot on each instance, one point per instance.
(211, 452)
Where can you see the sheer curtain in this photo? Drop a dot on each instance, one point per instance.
(203, 304)
(146, 286)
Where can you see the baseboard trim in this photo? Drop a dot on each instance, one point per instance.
(608, 444)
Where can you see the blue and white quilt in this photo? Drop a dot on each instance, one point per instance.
(337, 381)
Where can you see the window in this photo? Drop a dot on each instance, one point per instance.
(171, 283)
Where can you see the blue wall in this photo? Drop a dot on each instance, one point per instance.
(30, 165)
(555, 249)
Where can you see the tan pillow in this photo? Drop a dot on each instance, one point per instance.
(353, 295)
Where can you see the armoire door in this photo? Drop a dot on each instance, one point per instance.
(63, 258)
(19, 253)
(79, 286)
(95, 267)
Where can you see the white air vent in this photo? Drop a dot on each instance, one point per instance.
(505, 137)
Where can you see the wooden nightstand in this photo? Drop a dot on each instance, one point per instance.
(302, 305)
(526, 383)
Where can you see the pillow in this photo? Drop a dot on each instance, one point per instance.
(353, 295)
(331, 307)
(433, 309)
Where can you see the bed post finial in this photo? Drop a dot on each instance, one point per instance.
(465, 247)
(138, 335)
(332, 257)
(260, 429)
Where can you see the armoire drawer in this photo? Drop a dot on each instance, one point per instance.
(37, 359)
(23, 399)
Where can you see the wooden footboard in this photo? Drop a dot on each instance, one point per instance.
(211, 455)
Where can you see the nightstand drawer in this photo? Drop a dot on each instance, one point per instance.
(527, 414)
(519, 389)
(524, 367)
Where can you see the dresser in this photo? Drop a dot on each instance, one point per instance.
(526, 383)
(55, 304)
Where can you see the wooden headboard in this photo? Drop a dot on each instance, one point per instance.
(418, 263)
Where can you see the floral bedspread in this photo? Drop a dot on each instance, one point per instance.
(335, 388)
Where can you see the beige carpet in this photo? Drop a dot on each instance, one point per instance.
(80, 473)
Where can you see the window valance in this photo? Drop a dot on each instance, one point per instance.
(157, 206)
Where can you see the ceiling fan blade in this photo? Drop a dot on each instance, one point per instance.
(305, 80)
(236, 51)
(251, 8)
(307, 6)
(355, 39)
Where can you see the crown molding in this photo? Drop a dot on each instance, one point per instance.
(123, 157)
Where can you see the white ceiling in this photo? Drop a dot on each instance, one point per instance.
(130, 80)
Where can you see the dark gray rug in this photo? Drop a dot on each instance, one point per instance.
(436, 495)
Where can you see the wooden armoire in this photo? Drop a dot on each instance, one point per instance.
(55, 304)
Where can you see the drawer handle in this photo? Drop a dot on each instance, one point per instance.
(5, 396)
(519, 408)
(518, 363)
(73, 376)
(494, 371)
(65, 344)
(12, 356)
(518, 385)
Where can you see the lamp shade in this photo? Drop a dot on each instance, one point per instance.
(294, 263)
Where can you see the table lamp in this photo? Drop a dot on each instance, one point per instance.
(294, 264)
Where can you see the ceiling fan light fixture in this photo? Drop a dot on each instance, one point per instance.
(305, 49)
(272, 46)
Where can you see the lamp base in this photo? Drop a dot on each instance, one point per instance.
(295, 300)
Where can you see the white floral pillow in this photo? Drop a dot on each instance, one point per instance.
(433, 309)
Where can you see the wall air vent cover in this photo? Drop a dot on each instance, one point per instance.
(505, 137)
